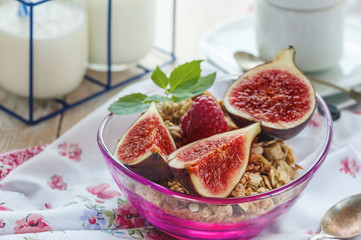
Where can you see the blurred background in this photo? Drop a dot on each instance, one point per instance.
(193, 20)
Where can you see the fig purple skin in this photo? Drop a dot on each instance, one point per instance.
(212, 167)
(154, 168)
(276, 94)
(269, 133)
(146, 145)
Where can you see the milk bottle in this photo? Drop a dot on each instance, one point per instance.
(132, 28)
(59, 47)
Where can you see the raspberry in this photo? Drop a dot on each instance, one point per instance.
(203, 119)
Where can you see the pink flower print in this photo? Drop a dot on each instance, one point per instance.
(31, 224)
(101, 192)
(93, 219)
(2, 224)
(56, 182)
(10, 160)
(126, 216)
(72, 151)
(48, 206)
(5, 169)
(4, 208)
(349, 167)
(311, 232)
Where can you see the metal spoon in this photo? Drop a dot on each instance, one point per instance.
(247, 61)
(343, 220)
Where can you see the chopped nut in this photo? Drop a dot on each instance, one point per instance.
(273, 177)
(222, 211)
(244, 206)
(267, 182)
(249, 191)
(257, 149)
(206, 212)
(255, 179)
(174, 111)
(193, 207)
(239, 191)
(262, 190)
(274, 152)
(175, 130)
(263, 163)
(176, 186)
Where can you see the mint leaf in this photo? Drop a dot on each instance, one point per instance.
(159, 78)
(128, 104)
(181, 97)
(181, 92)
(203, 84)
(157, 98)
(184, 82)
(193, 88)
(185, 72)
(184, 87)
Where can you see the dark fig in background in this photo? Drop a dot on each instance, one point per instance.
(276, 94)
(212, 167)
(146, 145)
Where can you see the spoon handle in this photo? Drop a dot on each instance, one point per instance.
(329, 84)
(320, 235)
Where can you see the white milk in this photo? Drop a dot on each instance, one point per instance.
(132, 32)
(60, 49)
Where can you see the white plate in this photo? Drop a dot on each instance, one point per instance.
(219, 45)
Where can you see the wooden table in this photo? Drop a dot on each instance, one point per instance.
(194, 19)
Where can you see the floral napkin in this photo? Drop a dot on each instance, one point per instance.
(64, 190)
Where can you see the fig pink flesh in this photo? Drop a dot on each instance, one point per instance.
(273, 96)
(222, 165)
(217, 162)
(148, 135)
(212, 167)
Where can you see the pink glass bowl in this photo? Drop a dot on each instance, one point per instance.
(183, 216)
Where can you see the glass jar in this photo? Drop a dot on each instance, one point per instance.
(132, 32)
(315, 28)
(59, 47)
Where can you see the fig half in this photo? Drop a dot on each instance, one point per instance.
(213, 166)
(276, 94)
(146, 145)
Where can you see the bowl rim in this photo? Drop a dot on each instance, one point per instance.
(222, 201)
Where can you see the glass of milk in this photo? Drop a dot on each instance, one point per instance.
(132, 32)
(59, 47)
(314, 27)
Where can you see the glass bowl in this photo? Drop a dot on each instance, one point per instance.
(189, 217)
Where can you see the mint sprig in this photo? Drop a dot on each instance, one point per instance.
(184, 82)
